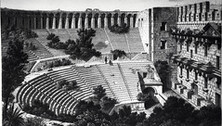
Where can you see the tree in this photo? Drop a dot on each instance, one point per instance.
(107, 103)
(99, 92)
(13, 117)
(209, 116)
(50, 36)
(82, 48)
(119, 29)
(34, 122)
(144, 97)
(118, 53)
(177, 112)
(127, 118)
(164, 71)
(12, 69)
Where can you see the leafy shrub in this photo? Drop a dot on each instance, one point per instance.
(30, 34)
(82, 48)
(64, 84)
(30, 46)
(164, 70)
(119, 29)
(118, 53)
(57, 63)
(107, 103)
(34, 122)
(55, 43)
(50, 36)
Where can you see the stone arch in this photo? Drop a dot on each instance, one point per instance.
(128, 16)
(83, 16)
(102, 15)
(149, 90)
(194, 87)
(77, 15)
(63, 18)
(57, 16)
(90, 15)
(44, 16)
(115, 16)
(109, 15)
(50, 16)
(70, 19)
(96, 15)
(122, 17)
(134, 20)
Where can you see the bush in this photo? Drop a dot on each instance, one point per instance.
(99, 92)
(118, 53)
(82, 48)
(50, 36)
(107, 103)
(58, 62)
(30, 46)
(30, 34)
(164, 71)
(34, 122)
(177, 112)
(55, 42)
(119, 29)
(64, 84)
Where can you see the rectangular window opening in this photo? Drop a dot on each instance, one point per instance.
(205, 82)
(218, 62)
(205, 51)
(163, 26)
(191, 53)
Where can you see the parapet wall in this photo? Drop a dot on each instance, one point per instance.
(67, 19)
(197, 15)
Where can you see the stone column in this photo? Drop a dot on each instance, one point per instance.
(19, 20)
(27, 22)
(41, 21)
(93, 22)
(34, 21)
(54, 21)
(131, 21)
(106, 21)
(80, 22)
(13, 22)
(136, 24)
(73, 21)
(86, 22)
(60, 21)
(99, 21)
(125, 20)
(112, 20)
(119, 20)
(67, 22)
(47, 21)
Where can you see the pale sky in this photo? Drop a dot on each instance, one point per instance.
(105, 5)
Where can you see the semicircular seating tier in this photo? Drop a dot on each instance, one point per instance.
(120, 81)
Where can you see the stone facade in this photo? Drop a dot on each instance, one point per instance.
(198, 58)
(196, 16)
(154, 26)
(67, 19)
